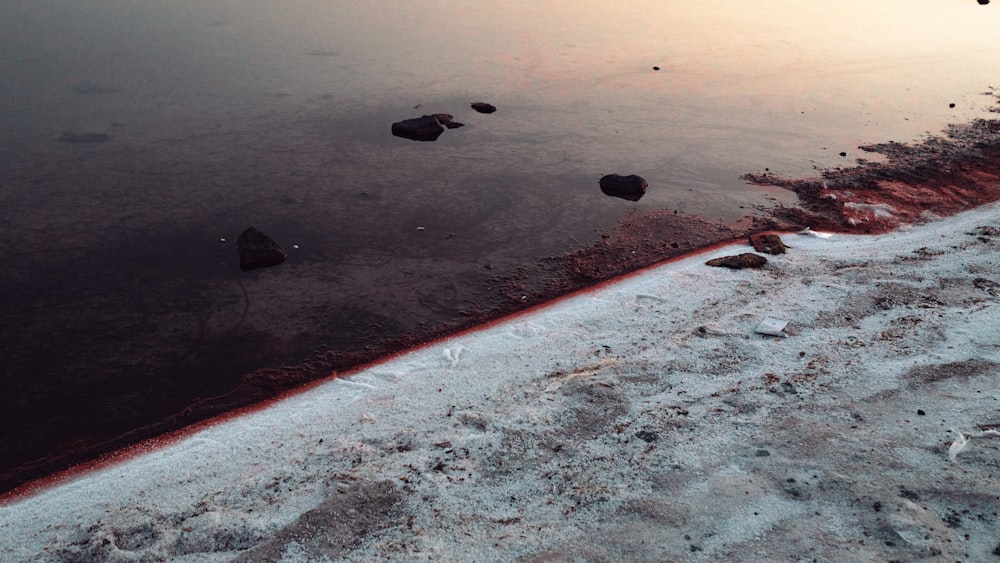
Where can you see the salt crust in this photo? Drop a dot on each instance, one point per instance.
(643, 421)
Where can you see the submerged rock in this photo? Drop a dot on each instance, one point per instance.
(631, 187)
(424, 128)
(448, 120)
(769, 243)
(258, 250)
(483, 107)
(739, 262)
(70, 137)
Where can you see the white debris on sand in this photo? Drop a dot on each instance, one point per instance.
(644, 421)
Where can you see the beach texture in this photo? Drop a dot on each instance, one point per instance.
(642, 420)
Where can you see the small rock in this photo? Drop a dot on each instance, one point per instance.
(983, 3)
(951, 105)
(768, 243)
(920, 412)
(631, 187)
(483, 107)
(448, 120)
(258, 250)
(424, 128)
(656, 68)
(842, 153)
(647, 436)
(739, 262)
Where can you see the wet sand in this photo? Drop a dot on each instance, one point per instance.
(142, 333)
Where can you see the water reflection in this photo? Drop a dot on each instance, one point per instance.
(206, 118)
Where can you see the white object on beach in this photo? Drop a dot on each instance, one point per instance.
(962, 441)
(811, 233)
(771, 326)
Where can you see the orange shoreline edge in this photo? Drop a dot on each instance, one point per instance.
(939, 176)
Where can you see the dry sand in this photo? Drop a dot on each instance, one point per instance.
(641, 421)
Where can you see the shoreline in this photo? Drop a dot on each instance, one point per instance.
(128, 452)
(959, 170)
(641, 420)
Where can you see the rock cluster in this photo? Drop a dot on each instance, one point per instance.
(430, 127)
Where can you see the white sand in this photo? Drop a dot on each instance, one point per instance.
(644, 422)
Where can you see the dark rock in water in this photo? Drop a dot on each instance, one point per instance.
(746, 260)
(84, 137)
(448, 120)
(768, 243)
(483, 107)
(631, 187)
(258, 250)
(424, 128)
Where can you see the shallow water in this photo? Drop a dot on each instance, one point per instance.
(123, 304)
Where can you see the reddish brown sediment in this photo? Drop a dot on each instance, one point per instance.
(939, 176)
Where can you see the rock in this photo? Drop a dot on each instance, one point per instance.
(631, 187)
(448, 120)
(69, 137)
(771, 244)
(258, 250)
(983, 3)
(647, 436)
(483, 107)
(745, 260)
(424, 128)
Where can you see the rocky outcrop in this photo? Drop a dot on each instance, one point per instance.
(739, 262)
(424, 128)
(631, 187)
(483, 107)
(768, 243)
(258, 250)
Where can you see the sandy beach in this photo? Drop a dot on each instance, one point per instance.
(643, 420)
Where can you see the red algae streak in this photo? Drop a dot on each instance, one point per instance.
(939, 176)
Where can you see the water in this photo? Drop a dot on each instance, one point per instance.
(122, 302)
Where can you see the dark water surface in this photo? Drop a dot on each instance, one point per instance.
(138, 139)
